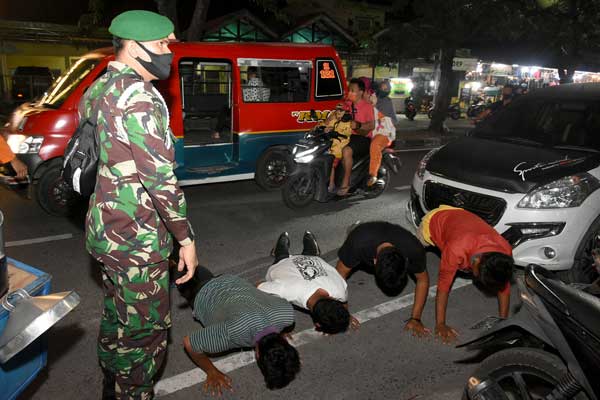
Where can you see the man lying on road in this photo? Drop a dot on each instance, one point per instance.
(308, 282)
(234, 314)
(392, 253)
(468, 244)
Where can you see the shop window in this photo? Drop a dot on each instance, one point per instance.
(275, 81)
(329, 85)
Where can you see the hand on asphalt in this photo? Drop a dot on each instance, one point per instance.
(445, 333)
(417, 328)
(354, 323)
(216, 382)
(189, 260)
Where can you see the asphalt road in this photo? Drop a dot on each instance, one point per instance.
(236, 225)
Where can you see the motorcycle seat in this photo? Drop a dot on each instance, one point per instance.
(582, 306)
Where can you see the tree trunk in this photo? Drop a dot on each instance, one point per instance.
(442, 100)
(565, 73)
(194, 31)
(168, 8)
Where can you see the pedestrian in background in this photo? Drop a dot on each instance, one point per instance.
(136, 206)
(384, 103)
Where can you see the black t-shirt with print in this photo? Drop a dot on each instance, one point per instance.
(361, 245)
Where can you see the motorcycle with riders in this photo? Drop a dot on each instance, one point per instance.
(313, 163)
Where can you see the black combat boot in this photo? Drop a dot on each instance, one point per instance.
(108, 386)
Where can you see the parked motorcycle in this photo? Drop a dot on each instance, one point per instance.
(410, 110)
(476, 108)
(313, 162)
(549, 349)
(453, 111)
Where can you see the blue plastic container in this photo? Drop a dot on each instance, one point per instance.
(17, 373)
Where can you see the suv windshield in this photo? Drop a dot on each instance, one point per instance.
(546, 122)
(67, 82)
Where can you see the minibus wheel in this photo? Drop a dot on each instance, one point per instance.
(273, 168)
(53, 194)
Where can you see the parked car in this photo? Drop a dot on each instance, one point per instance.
(532, 171)
(228, 128)
(30, 82)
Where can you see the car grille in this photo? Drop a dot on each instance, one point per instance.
(489, 208)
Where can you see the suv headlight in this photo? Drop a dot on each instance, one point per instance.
(423, 163)
(21, 144)
(570, 191)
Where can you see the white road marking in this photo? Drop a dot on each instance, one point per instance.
(401, 188)
(39, 240)
(235, 361)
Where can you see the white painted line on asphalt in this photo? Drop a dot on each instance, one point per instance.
(401, 188)
(38, 240)
(235, 361)
(417, 149)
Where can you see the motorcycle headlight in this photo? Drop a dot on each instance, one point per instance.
(304, 159)
(570, 191)
(423, 163)
(304, 153)
(21, 144)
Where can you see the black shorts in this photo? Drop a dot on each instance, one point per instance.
(360, 146)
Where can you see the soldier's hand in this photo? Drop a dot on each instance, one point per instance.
(216, 382)
(189, 260)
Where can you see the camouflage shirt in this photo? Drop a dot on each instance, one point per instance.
(137, 200)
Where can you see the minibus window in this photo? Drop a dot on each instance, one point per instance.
(275, 81)
(66, 83)
(328, 84)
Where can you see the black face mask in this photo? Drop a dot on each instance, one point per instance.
(159, 64)
(383, 93)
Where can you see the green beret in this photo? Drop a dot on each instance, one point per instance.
(141, 25)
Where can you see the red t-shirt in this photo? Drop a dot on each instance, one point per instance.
(364, 112)
(460, 235)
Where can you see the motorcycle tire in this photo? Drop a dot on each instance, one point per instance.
(524, 362)
(299, 190)
(377, 189)
(455, 115)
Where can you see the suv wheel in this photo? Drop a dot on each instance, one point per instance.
(583, 270)
(54, 195)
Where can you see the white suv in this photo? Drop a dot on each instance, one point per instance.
(531, 170)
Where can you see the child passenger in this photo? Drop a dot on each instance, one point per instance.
(334, 122)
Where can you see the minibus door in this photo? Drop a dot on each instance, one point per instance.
(206, 88)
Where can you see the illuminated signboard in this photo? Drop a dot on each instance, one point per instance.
(327, 72)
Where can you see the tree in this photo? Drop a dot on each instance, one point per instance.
(168, 8)
(442, 27)
(194, 31)
(569, 31)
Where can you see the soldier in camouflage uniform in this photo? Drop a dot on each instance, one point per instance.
(136, 206)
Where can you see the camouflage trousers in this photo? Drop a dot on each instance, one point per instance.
(133, 332)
